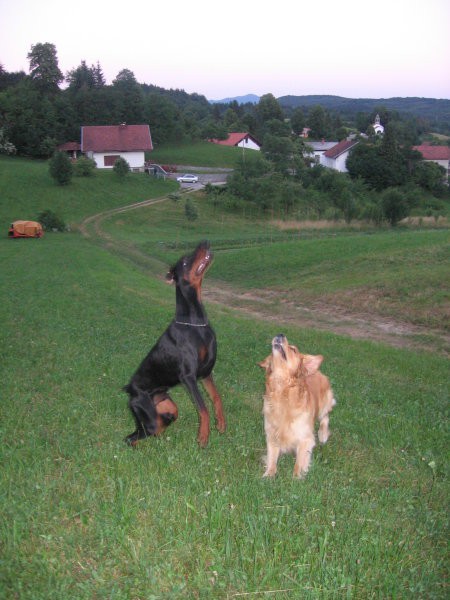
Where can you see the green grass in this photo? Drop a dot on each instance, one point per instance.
(200, 154)
(401, 273)
(26, 189)
(84, 516)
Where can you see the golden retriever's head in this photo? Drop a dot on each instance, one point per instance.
(286, 362)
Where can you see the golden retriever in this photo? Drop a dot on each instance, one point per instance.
(297, 394)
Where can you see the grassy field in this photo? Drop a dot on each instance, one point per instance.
(200, 154)
(26, 189)
(84, 516)
(402, 273)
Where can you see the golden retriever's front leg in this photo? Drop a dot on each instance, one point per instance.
(303, 456)
(324, 432)
(273, 452)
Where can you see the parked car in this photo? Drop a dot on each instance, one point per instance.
(187, 178)
(31, 229)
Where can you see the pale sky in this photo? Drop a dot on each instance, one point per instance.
(351, 48)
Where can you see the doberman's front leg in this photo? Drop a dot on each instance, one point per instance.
(144, 413)
(210, 386)
(203, 429)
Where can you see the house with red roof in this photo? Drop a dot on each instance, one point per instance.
(242, 140)
(73, 149)
(437, 154)
(106, 143)
(318, 149)
(336, 156)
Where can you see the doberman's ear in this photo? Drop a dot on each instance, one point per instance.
(170, 277)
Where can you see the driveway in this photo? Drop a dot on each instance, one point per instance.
(205, 175)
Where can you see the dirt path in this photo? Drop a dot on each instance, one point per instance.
(269, 306)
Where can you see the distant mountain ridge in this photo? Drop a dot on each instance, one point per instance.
(435, 110)
(248, 98)
(413, 105)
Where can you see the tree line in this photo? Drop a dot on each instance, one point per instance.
(37, 113)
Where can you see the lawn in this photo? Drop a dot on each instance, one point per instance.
(27, 189)
(200, 154)
(84, 516)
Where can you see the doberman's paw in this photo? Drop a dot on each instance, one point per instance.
(221, 425)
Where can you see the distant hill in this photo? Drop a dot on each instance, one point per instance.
(430, 108)
(249, 98)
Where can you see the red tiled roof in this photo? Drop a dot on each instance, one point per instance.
(340, 148)
(433, 152)
(116, 138)
(69, 147)
(234, 139)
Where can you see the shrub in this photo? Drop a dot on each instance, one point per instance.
(85, 167)
(121, 167)
(394, 205)
(61, 168)
(50, 221)
(190, 210)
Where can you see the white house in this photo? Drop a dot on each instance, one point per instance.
(242, 140)
(437, 154)
(106, 143)
(336, 157)
(318, 149)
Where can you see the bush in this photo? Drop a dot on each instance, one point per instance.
(61, 168)
(190, 210)
(85, 167)
(121, 167)
(50, 221)
(394, 205)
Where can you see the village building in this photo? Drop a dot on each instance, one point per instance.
(72, 149)
(377, 126)
(336, 157)
(318, 149)
(241, 140)
(106, 143)
(437, 154)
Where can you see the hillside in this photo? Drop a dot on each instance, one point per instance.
(430, 108)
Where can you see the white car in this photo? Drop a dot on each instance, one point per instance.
(187, 178)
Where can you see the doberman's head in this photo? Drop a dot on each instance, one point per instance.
(190, 269)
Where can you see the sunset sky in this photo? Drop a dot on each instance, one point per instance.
(352, 48)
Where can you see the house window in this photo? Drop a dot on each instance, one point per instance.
(109, 161)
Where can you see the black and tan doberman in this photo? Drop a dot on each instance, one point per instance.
(185, 353)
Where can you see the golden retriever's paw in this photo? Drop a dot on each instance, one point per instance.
(299, 474)
(270, 473)
(323, 436)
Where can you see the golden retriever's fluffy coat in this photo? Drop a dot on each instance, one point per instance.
(297, 394)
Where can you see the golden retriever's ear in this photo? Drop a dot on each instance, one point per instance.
(312, 363)
(266, 363)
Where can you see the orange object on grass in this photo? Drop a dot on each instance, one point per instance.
(25, 229)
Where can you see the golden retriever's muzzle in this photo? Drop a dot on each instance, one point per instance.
(278, 345)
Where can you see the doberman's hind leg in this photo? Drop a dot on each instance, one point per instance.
(210, 386)
(203, 429)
